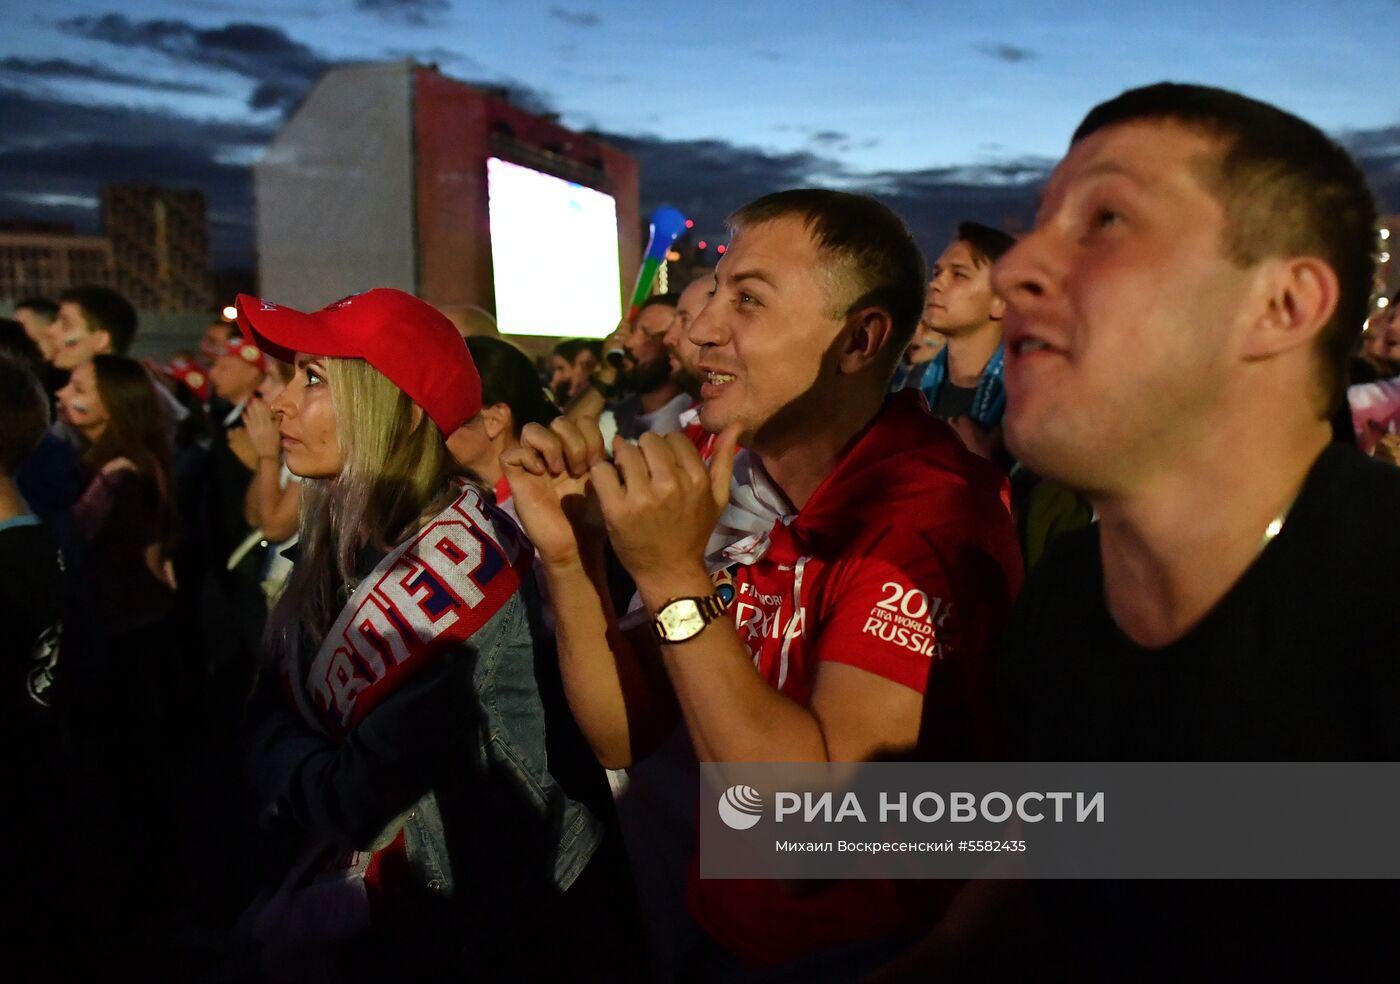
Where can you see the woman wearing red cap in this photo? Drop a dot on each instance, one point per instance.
(400, 739)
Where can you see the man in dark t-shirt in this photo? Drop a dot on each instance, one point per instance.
(1176, 330)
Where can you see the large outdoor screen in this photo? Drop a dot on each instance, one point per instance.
(555, 254)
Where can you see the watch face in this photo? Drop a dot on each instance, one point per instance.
(680, 620)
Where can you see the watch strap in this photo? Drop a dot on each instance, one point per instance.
(709, 607)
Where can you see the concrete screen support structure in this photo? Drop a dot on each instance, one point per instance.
(379, 179)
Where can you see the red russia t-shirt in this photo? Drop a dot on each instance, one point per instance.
(695, 432)
(905, 558)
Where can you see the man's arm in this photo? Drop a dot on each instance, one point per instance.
(591, 402)
(660, 503)
(267, 505)
(270, 507)
(614, 684)
(734, 715)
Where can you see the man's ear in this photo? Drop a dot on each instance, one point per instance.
(997, 309)
(496, 419)
(102, 341)
(1296, 298)
(868, 331)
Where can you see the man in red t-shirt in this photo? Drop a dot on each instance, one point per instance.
(862, 544)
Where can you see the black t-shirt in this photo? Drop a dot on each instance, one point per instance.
(953, 401)
(1299, 661)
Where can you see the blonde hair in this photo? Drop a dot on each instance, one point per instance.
(396, 473)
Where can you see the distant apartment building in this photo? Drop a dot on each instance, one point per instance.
(41, 259)
(160, 246)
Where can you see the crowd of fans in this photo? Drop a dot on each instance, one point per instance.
(344, 649)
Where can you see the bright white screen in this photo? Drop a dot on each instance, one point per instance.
(554, 253)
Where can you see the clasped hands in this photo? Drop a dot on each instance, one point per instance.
(258, 437)
(657, 501)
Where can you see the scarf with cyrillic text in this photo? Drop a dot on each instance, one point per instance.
(426, 596)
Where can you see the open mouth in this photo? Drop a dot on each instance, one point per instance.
(1026, 346)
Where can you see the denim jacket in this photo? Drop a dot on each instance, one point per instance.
(555, 834)
(452, 775)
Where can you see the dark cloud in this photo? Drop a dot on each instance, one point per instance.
(1006, 52)
(1383, 143)
(578, 18)
(829, 140)
(56, 154)
(436, 56)
(1378, 153)
(934, 201)
(31, 119)
(1000, 172)
(281, 69)
(836, 142)
(60, 69)
(707, 179)
(517, 93)
(80, 147)
(416, 12)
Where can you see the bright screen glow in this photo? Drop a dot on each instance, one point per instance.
(554, 252)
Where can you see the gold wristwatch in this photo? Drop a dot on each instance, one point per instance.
(684, 618)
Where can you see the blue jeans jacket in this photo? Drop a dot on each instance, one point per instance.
(454, 762)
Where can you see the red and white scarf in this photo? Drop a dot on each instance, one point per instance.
(426, 596)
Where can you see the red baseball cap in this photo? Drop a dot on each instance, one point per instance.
(408, 340)
(191, 375)
(241, 348)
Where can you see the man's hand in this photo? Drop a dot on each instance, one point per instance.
(261, 426)
(1388, 449)
(242, 448)
(661, 502)
(548, 476)
(608, 371)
